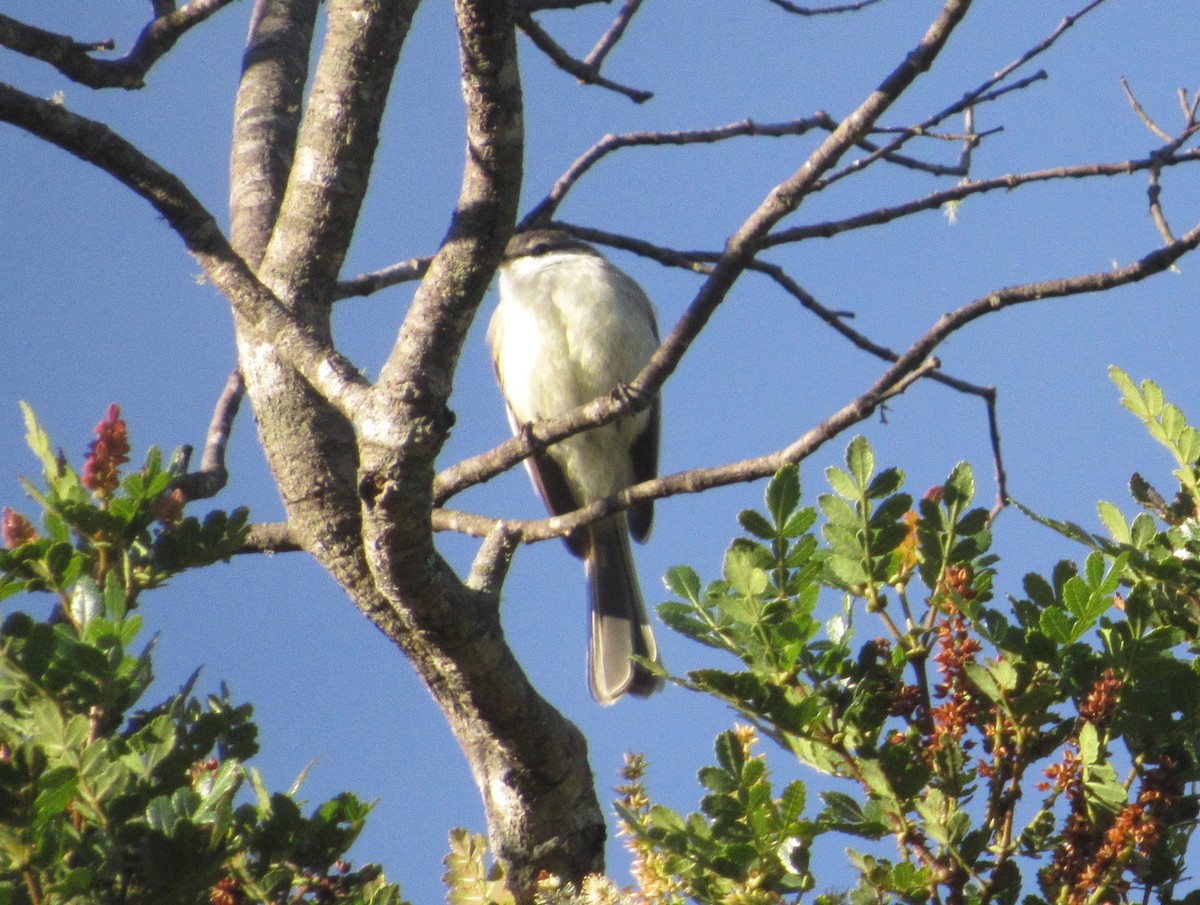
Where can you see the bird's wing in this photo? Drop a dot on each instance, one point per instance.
(644, 456)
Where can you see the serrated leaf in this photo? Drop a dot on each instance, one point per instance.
(839, 511)
(959, 489)
(744, 574)
(1057, 625)
(730, 754)
(87, 603)
(842, 483)
(783, 493)
(683, 582)
(885, 483)
(1114, 521)
(39, 441)
(848, 571)
(1103, 788)
(114, 597)
(799, 522)
(791, 803)
(755, 523)
(1089, 744)
(860, 459)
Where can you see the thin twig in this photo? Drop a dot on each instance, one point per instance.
(743, 128)
(968, 188)
(1142, 115)
(609, 39)
(72, 59)
(329, 371)
(692, 481)
(392, 275)
(788, 6)
(211, 477)
(587, 75)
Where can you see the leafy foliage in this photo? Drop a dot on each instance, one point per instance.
(1045, 747)
(101, 802)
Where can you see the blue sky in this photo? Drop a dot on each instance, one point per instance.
(101, 304)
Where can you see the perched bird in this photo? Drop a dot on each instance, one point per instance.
(570, 328)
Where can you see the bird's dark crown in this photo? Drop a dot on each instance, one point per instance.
(535, 242)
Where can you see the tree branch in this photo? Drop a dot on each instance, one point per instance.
(744, 128)
(266, 119)
(691, 481)
(789, 7)
(969, 187)
(211, 477)
(99, 145)
(337, 142)
(595, 58)
(392, 275)
(585, 72)
(72, 58)
(915, 363)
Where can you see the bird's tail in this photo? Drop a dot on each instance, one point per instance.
(619, 628)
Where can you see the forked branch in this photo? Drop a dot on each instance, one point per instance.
(74, 58)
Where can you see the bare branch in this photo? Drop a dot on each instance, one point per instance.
(493, 559)
(970, 187)
(586, 73)
(1142, 115)
(985, 92)
(267, 119)
(392, 275)
(99, 145)
(789, 7)
(915, 363)
(270, 537)
(692, 481)
(72, 59)
(212, 475)
(743, 128)
(338, 135)
(595, 59)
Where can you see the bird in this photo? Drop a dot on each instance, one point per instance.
(569, 328)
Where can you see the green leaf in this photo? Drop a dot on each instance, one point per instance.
(791, 803)
(842, 484)
(1058, 625)
(1089, 744)
(744, 574)
(1114, 521)
(861, 461)
(39, 441)
(730, 753)
(683, 582)
(959, 489)
(839, 511)
(783, 493)
(756, 523)
(114, 598)
(847, 571)
(1103, 789)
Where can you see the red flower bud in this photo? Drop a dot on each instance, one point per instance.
(106, 454)
(15, 529)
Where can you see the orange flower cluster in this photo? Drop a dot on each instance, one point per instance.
(228, 891)
(955, 649)
(1101, 703)
(106, 454)
(1089, 860)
